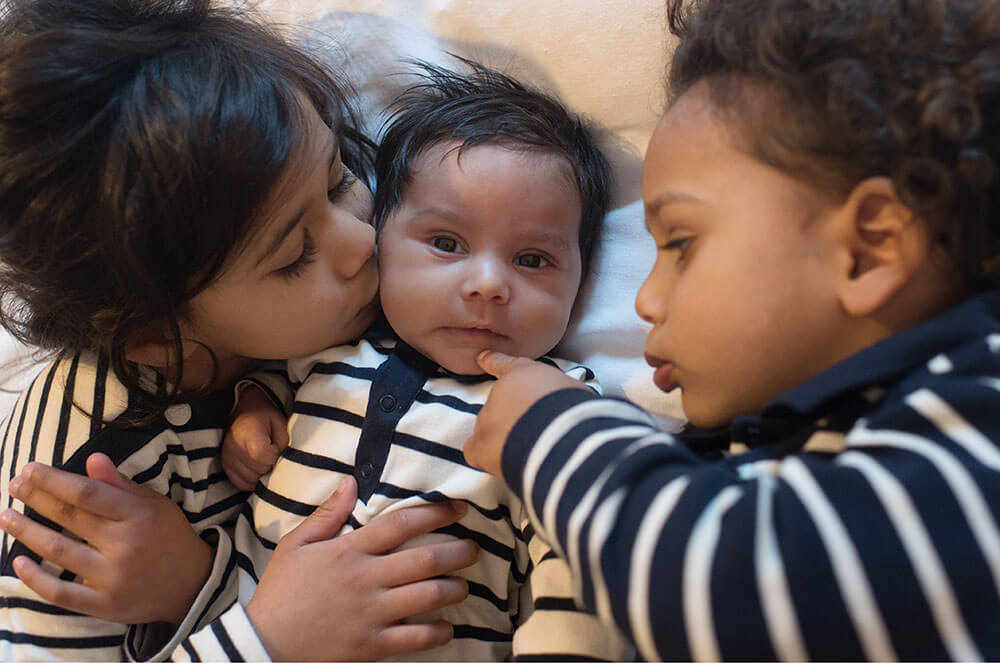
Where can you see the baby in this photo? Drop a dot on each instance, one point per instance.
(490, 197)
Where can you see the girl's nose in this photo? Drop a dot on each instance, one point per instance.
(353, 247)
(486, 280)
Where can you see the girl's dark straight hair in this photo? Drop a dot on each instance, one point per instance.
(139, 140)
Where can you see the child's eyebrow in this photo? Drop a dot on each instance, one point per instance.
(287, 229)
(670, 197)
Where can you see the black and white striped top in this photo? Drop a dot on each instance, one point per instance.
(397, 422)
(859, 523)
(177, 455)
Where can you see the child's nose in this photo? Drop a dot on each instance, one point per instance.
(486, 279)
(648, 304)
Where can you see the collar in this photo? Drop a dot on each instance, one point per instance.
(844, 387)
(382, 336)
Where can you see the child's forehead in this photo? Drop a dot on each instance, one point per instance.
(451, 153)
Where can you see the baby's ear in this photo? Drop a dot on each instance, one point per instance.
(883, 246)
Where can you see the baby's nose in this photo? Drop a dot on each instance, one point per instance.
(487, 279)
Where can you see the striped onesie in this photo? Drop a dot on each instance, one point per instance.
(394, 420)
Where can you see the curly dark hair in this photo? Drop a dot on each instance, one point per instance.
(484, 106)
(138, 141)
(835, 91)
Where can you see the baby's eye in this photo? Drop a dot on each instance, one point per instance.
(444, 243)
(531, 261)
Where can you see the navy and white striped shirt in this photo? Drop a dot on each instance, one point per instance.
(397, 422)
(858, 519)
(176, 455)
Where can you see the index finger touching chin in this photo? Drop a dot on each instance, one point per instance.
(496, 363)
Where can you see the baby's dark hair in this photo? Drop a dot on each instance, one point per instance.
(836, 91)
(138, 141)
(481, 107)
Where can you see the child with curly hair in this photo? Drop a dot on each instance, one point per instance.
(824, 194)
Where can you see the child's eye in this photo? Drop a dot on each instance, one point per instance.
(347, 180)
(299, 265)
(444, 243)
(532, 261)
(679, 244)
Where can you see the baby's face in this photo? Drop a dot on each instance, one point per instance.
(483, 253)
(743, 295)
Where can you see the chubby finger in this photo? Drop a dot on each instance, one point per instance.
(94, 496)
(426, 562)
(390, 530)
(413, 599)
(471, 452)
(498, 363)
(279, 434)
(238, 473)
(51, 545)
(261, 452)
(72, 596)
(407, 638)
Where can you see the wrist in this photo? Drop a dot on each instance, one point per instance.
(260, 619)
(202, 557)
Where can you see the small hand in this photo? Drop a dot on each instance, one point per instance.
(323, 597)
(255, 438)
(520, 383)
(140, 560)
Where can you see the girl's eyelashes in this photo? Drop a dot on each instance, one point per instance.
(347, 180)
(299, 265)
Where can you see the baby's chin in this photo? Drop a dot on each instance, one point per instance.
(463, 362)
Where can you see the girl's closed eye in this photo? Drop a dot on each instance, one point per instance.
(347, 180)
(299, 265)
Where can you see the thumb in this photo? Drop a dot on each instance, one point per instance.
(100, 467)
(330, 516)
(497, 363)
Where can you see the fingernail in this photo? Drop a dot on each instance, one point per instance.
(460, 507)
(6, 517)
(340, 489)
(15, 485)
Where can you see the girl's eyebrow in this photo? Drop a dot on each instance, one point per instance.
(293, 222)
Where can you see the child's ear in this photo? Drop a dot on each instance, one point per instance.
(883, 246)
